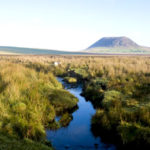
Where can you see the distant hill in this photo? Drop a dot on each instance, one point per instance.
(106, 45)
(117, 45)
(33, 51)
(114, 42)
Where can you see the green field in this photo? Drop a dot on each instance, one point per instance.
(35, 51)
(94, 51)
(117, 50)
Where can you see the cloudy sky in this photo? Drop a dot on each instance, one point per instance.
(72, 24)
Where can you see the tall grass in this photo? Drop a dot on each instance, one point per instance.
(118, 87)
(26, 102)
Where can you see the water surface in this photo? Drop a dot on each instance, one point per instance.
(77, 135)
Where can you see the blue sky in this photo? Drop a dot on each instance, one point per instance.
(72, 24)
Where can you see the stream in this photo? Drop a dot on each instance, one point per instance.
(77, 135)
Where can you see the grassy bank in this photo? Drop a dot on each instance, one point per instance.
(119, 89)
(13, 143)
(29, 102)
(117, 86)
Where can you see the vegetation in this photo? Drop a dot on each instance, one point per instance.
(13, 143)
(29, 102)
(65, 119)
(62, 100)
(118, 87)
(70, 80)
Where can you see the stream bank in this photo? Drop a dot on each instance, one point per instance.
(78, 134)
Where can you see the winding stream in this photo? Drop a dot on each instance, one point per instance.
(77, 135)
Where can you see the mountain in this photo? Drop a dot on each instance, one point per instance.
(117, 45)
(106, 45)
(114, 42)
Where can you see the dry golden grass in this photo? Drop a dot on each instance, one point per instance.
(116, 65)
